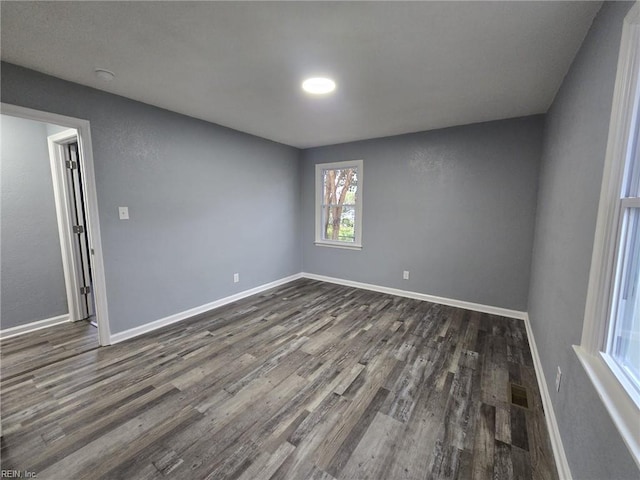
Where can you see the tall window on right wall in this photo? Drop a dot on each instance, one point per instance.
(623, 335)
(610, 345)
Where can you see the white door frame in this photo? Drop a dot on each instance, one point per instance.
(68, 241)
(91, 205)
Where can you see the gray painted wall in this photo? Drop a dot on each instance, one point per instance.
(30, 262)
(53, 129)
(455, 207)
(204, 201)
(572, 165)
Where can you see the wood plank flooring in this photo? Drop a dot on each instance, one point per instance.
(306, 381)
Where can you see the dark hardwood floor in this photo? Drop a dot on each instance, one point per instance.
(306, 381)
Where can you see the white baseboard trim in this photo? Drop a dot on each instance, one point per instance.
(192, 312)
(33, 326)
(478, 307)
(562, 465)
(177, 317)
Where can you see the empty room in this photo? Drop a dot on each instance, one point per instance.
(320, 240)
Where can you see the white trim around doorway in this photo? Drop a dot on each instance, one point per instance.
(93, 220)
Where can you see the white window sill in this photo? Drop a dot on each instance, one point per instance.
(345, 246)
(621, 406)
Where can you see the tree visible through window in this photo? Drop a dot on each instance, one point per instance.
(338, 208)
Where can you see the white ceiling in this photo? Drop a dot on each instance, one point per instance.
(400, 66)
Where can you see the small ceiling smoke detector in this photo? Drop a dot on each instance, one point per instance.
(318, 85)
(105, 75)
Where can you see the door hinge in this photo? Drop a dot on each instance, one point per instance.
(78, 229)
(85, 290)
(71, 165)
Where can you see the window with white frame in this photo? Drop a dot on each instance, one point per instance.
(610, 345)
(623, 333)
(339, 204)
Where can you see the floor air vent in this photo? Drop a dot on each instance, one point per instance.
(519, 395)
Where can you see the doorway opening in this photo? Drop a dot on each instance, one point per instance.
(78, 220)
(69, 192)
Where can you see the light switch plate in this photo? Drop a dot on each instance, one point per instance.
(123, 213)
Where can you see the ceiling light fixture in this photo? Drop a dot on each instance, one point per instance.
(318, 85)
(105, 75)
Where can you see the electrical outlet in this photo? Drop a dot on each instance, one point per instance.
(558, 377)
(405, 275)
(236, 277)
(123, 213)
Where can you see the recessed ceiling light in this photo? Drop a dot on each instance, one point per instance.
(104, 74)
(318, 85)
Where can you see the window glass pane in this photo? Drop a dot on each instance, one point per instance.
(625, 343)
(633, 175)
(338, 223)
(339, 196)
(340, 183)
